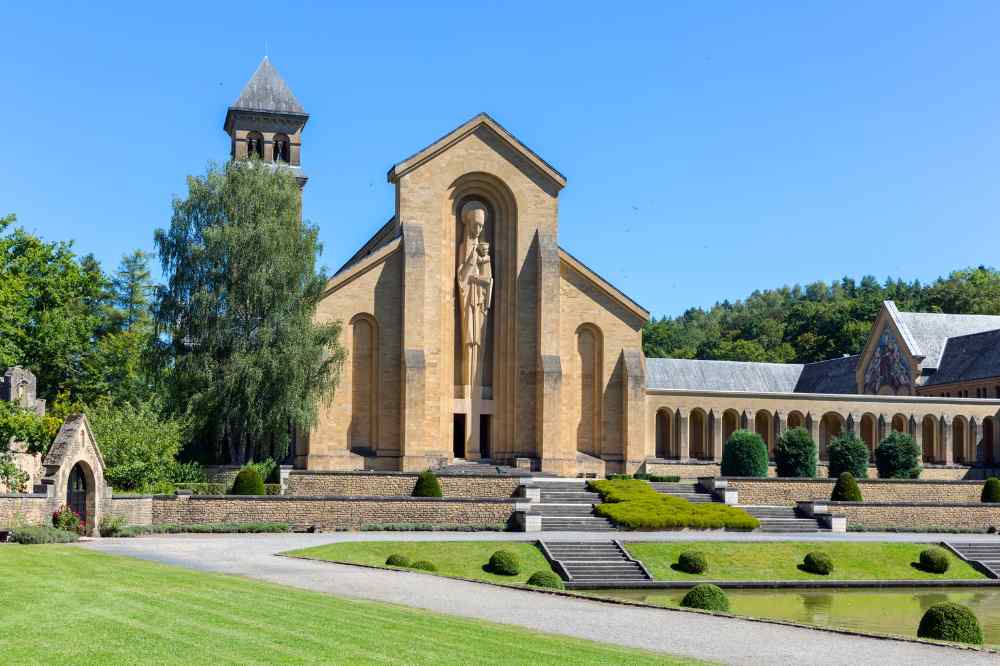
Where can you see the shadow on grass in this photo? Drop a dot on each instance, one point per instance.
(801, 567)
(677, 567)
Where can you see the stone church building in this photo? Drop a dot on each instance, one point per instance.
(473, 335)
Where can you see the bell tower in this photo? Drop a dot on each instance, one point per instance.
(266, 122)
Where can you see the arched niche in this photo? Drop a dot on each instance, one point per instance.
(363, 431)
(589, 375)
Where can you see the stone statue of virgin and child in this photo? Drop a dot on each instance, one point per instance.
(475, 289)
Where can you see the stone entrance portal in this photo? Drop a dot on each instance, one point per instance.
(76, 492)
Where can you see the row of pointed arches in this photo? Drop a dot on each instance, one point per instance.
(280, 148)
(700, 434)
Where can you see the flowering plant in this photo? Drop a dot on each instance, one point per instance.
(67, 519)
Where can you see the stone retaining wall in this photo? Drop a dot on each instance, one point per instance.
(396, 484)
(27, 509)
(695, 470)
(916, 516)
(329, 512)
(136, 510)
(787, 491)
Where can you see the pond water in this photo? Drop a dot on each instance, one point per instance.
(896, 611)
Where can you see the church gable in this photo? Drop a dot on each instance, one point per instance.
(891, 358)
(495, 135)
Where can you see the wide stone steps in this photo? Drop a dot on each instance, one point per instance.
(589, 563)
(687, 491)
(563, 497)
(576, 524)
(986, 554)
(782, 519)
(543, 509)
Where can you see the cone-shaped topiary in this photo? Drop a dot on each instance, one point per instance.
(934, 560)
(397, 560)
(248, 482)
(847, 453)
(504, 563)
(991, 490)
(427, 485)
(898, 457)
(424, 565)
(692, 561)
(950, 622)
(818, 563)
(546, 579)
(795, 454)
(706, 597)
(846, 489)
(745, 454)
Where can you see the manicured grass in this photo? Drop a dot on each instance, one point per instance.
(464, 559)
(779, 560)
(634, 504)
(67, 605)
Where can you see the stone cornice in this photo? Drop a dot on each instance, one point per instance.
(832, 397)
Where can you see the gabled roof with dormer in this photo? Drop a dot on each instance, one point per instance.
(483, 120)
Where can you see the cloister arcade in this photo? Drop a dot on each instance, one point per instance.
(954, 433)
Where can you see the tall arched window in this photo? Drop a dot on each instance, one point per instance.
(281, 149)
(255, 145)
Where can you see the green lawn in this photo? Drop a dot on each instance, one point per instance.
(67, 605)
(464, 559)
(779, 560)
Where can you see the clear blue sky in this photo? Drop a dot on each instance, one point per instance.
(711, 148)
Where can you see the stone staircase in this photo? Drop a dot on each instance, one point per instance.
(782, 519)
(690, 491)
(567, 506)
(588, 564)
(985, 554)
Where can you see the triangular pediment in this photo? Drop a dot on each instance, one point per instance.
(900, 337)
(477, 123)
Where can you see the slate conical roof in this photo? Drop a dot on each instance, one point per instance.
(267, 91)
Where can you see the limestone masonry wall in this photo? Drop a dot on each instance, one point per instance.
(917, 515)
(329, 512)
(135, 510)
(25, 509)
(788, 491)
(396, 484)
(695, 470)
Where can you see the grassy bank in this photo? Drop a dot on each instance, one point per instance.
(779, 560)
(464, 559)
(67, 605)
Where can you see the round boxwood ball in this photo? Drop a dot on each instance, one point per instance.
(397, 560)
(950, 622)
(991, 490)
(692, 561)
(934, 560)
(818, 563)
(546, 579)
(248, 482)
(504, 563)
(706, 597)
(424, 565)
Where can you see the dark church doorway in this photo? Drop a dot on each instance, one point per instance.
(76, 492)
(458, 439)
(484, 436)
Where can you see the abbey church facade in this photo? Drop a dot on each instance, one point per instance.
(472, 334)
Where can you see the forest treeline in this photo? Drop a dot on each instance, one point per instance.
(801, 324)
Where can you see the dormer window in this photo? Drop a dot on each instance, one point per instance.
(282, 149)
(255, 145)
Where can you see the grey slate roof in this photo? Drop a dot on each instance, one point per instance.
(832, 376)
(968, 357)
(267, 91)
(694, 375)
(932, 330)
(387, 233)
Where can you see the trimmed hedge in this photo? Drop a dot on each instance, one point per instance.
(847, 453)
(397, 560)
(950, 622)
(427, 485)
(934, 560)
(846, 489)
(706, 597)
(42, 534)
(795, 454)
(248, 482)
(991, 490)
(202, 528)
(424, 565)
(635, 505)
(745, 454)
(654, 478)
(898, 457)
(818, 563)
(504, 563)
(692, 562)
(546, 579)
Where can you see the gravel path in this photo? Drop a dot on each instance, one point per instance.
(726, 640)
